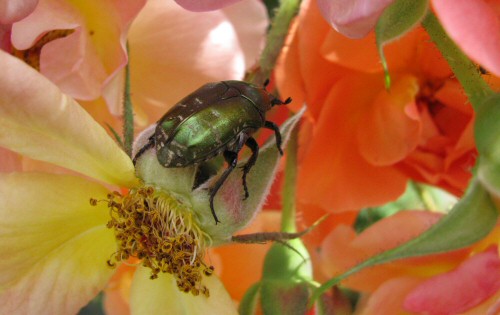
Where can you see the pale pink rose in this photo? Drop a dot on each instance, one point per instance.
(82, 62)
(174, 51)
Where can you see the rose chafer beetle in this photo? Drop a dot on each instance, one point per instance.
(217, 118)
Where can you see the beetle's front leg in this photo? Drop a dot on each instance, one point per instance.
(276, 129)
(231, 159)
(254, 146)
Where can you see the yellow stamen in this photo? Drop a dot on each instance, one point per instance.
(159, 229)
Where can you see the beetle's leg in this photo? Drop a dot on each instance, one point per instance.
(231, 159)
(146, 147)
(274, 127)
(253, 145)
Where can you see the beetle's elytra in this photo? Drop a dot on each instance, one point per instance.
(219, 117)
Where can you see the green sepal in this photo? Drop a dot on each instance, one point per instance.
(249, 303)
(398, 19)
(234, 212)
(487, 136)
(470, 220)
(176, 180)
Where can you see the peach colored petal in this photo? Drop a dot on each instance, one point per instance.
(389, 297)
(14, 10)
(250, 22)
(205, 5)
(117, 292)
(362, 54)
(353, 18)
(54, 243)
(38, 121)
(342, 249)
(454, 292)
(391, 127)
(332, 149)
(475, 28)
(9, 161)
(235, 270)
(82, 62)
(161, 296)
(174, 51)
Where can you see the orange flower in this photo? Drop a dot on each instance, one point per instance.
(364, 142)
(465, 280)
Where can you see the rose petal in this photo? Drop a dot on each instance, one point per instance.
(81, 62)
(473, 282)
(54, 243)
(353, 18)
(204, 5)
(214, 46)
(389, 297)
(161, 296)
(342, 249)
(9, 161)
(15, 10)
(475, 28)
(391, 127)
(333, 148)
(37, 120)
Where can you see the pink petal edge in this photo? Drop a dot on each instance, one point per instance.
(475, 28)
(454, 292)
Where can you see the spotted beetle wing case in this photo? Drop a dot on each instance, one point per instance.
(205, 123)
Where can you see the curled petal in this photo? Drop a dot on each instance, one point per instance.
(391, 127)
(161, 296)
(353, 18)
(204, 5)
(55, 244)
(475, 28)
(14, 10)
(38, 121)
(82, 62)
(457, 291)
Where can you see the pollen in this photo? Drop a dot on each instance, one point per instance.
(161, 231)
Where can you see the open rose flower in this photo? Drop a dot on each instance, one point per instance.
(474, 25)
(370, 140)
(62, 233)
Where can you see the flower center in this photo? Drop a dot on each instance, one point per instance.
(161, 231)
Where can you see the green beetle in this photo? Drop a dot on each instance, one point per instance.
(219, 117)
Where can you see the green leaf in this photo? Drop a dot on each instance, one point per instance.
(397, 19)
(470, 220)
(487, 136)
(416, 196)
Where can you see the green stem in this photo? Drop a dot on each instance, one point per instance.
(289, 187)
(287, 10)
(128, 112)
(464, 69)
